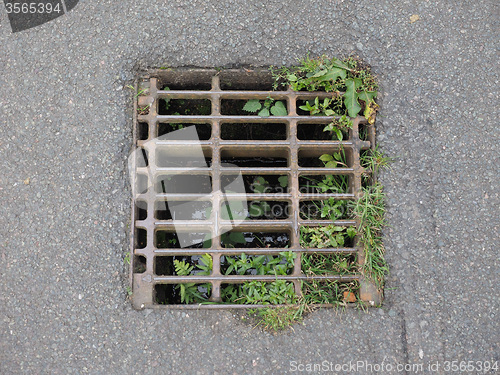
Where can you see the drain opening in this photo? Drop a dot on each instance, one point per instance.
(141, 236)
(167, 294)
(324, 184)
(319, 158)
(270, 292)
(183, 157)
(256, 210)
(170, 240)
(142, 158)
(255, 264)
(142, 183)
(309, 132)
(142, 131)
(184, 184)
(141, 211)
(330, 209)
(255, 157)
(258, 184)
(182, 210)
(241, 239)
(139, 264)
(204, 131)
(318, 264)
(329, 292)
(252, 131)
(179, 107)
(165, 265)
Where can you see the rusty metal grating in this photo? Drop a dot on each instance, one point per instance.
(287, 152)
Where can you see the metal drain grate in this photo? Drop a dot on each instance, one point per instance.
(283, 150)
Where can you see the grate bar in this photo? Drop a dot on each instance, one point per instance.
(238, 279)
(226, 94)
(258, 251)
(240, 119)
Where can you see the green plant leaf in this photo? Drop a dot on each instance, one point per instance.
(339, 134)
(351, 96)
(279, 109)
(317, 74)
(268, 102)
(333, 242)
(182, 268)
(253, 105)
(283, 180)
(339, 64)
(208, 212)
(255, 210)
(331, 164)
(260, 180)
(237, 237)
(264, 112)
(183, 293)
(351, 232)
(207, 241)
(367, 95)
(333, 75)
(340, 239)
(265, 206)
(205, 264)
(257, 188)
(325, 158)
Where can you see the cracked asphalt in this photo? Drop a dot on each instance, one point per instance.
(65, 134)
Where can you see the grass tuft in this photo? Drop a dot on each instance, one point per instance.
(370, 210)
(277, 318)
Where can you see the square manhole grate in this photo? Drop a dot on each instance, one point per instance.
(211, 179)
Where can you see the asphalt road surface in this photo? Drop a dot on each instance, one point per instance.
(65, 134)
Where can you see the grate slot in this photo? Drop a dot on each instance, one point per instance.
(274, 158)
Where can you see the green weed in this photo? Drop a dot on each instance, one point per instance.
(373, 160)
(260, 264)
(266, 108)
(328, 209)
(278, 318)
(325, 236)
(328, 292)
(370, 210)
(189, 292)
(348, 78)
(337, 127)
(322, 264)
(353, 88)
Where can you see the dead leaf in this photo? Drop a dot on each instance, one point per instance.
(349, 297)
(27, 181)
(371, 112)
(414, 18)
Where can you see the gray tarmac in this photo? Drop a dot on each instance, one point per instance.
(66, 125)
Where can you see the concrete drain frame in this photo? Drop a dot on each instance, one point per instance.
(216, 87)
